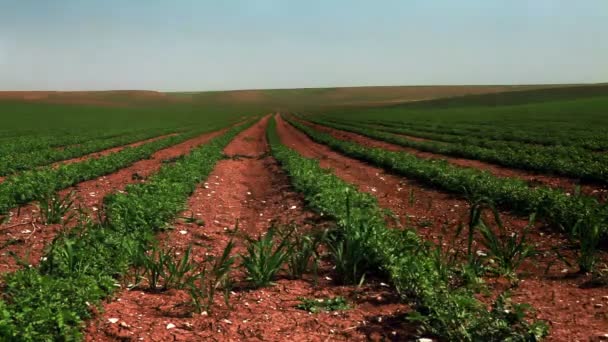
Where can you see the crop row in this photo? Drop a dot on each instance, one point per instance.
(24, 142)
(442, 310)
(562, 136)
(557, 207)
(27, 160)
(34, 184)
(83, 266)
(468, 139)
(563, 161)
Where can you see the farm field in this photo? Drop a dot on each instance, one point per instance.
(460, 213)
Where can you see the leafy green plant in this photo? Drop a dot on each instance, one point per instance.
(265, 258)
(53, 208)
(315, 305)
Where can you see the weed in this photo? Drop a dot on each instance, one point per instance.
(192, 219)
(508, 250)
(211, 279)
(53, 208)
(302, 250)
(411, 198)
(264, 258)
(589, 235)
(165, 269)
(315, 305)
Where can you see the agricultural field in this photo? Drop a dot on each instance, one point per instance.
(461, 213)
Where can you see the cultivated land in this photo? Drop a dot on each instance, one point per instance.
(376, 213)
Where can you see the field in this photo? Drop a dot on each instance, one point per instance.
(454, 213)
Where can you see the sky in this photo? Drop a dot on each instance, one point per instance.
(190, 45)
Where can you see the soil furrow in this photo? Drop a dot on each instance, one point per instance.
(570, 310)
(25, 238)
(532, 178)
(248, 187)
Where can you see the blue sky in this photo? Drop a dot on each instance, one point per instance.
(238, 44)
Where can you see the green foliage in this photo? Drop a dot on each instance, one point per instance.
(568, 161)
(302, 250)
(67, 147)
(53, 207)
(349, 251)
(550, 204)
(214, 276)
(265, 258)
(451, 313)
(166, 269)
(315, 305)
(83, 265)
(32, 184)
(589, 234)
(507, 249)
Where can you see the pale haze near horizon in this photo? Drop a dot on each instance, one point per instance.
(217, 45)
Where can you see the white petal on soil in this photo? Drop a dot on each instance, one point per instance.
(112, 320)
(170, 326)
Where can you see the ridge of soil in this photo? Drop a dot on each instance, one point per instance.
(24, 236)
(248, 187)
(532, 178)
(573, 313)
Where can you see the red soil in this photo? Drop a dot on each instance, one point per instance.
(24, 235)
(251, 189)
(533, 178)
(571, 311)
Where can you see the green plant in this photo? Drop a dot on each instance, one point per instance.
(54, 207)
(507, 249)
(82, 265)
(553, 205)
(588, 233)
(164, 269)
(264, 258)
(192, 219)
(453, 314)
(411, 198)
(348, 248)
(315, 305)
(302, 250)
(211, 279)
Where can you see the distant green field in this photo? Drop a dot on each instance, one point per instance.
(569, 113)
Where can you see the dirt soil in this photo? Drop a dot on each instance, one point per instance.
(532, 178)
(573, 313)
(26, 238)
(250, 188)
